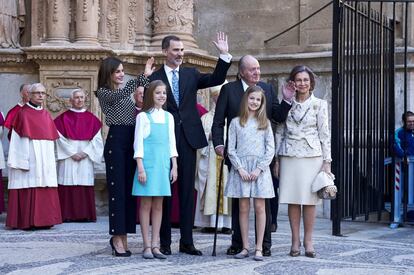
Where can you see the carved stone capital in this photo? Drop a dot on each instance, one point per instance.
(174, 17)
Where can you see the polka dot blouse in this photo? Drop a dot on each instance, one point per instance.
(117, 105)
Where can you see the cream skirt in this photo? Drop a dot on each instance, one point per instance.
(296, 177)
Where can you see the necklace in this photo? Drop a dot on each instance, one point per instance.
(300, 120)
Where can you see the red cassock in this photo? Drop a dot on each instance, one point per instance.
(30, 207)
(11, 114)
(1, 175)
(77, 200)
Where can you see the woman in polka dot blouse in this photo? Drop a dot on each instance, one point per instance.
(120, 114)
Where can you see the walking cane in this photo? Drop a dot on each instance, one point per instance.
(218, 206)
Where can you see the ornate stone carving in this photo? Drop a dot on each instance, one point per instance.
(85, 10)
(149, 15)
(41, 19)
(12, 18)
(58, 93)
(102, 27)
(112, 20)
(174, 16)
(132, 22)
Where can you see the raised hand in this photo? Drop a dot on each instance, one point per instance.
(149, 67)
(288, 91)
(221, 43)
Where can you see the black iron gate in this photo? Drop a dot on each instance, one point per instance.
(362, 108)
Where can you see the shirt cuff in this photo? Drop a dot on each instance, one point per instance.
(226, 57)
(218, 146)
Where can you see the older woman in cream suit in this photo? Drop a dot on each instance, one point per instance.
(303, 148)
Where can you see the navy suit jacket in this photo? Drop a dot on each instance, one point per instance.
(228, 107)
(186, 114)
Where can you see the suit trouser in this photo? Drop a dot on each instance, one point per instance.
(186, 177)
(274, 202)
(120, 169)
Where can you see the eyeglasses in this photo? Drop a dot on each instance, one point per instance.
(39, 93)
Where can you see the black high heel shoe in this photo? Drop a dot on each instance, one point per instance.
(116, 253)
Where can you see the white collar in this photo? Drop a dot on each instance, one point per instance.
(244, 84)
(306, 102)
(38, 108)
(155, 110)
(169, 69)
(77, 111)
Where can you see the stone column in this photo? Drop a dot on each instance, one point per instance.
(87, 21)
(58, 18)
(102, 28)
(173, 17)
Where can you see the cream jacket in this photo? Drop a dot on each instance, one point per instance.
(306, 131)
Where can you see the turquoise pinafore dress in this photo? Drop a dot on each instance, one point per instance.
(156, 161)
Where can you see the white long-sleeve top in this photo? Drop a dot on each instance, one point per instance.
(31, 163)
(71, 172)
(143, 130)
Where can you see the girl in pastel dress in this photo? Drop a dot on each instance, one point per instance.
(154, 147)
(251, 150)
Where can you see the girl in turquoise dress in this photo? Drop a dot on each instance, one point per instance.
(154, 147)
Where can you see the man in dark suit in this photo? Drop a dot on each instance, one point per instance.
(182, 86)
(228, 107)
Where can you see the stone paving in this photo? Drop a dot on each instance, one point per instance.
(83, 248)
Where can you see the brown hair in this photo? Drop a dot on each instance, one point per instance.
(148, 103)
(260, 114)
(300, 69)
(107, 68)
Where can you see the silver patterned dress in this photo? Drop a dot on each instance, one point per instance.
(250, 148)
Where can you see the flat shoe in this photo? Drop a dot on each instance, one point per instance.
(147, 255)
(242, 255)
(310, 254)
(294, 253)
(158, 255)
(258, 257)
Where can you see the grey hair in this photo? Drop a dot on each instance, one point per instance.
(76, 91)
(34, 86)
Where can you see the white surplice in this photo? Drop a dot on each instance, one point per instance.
(31, 163)
(71, 172)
